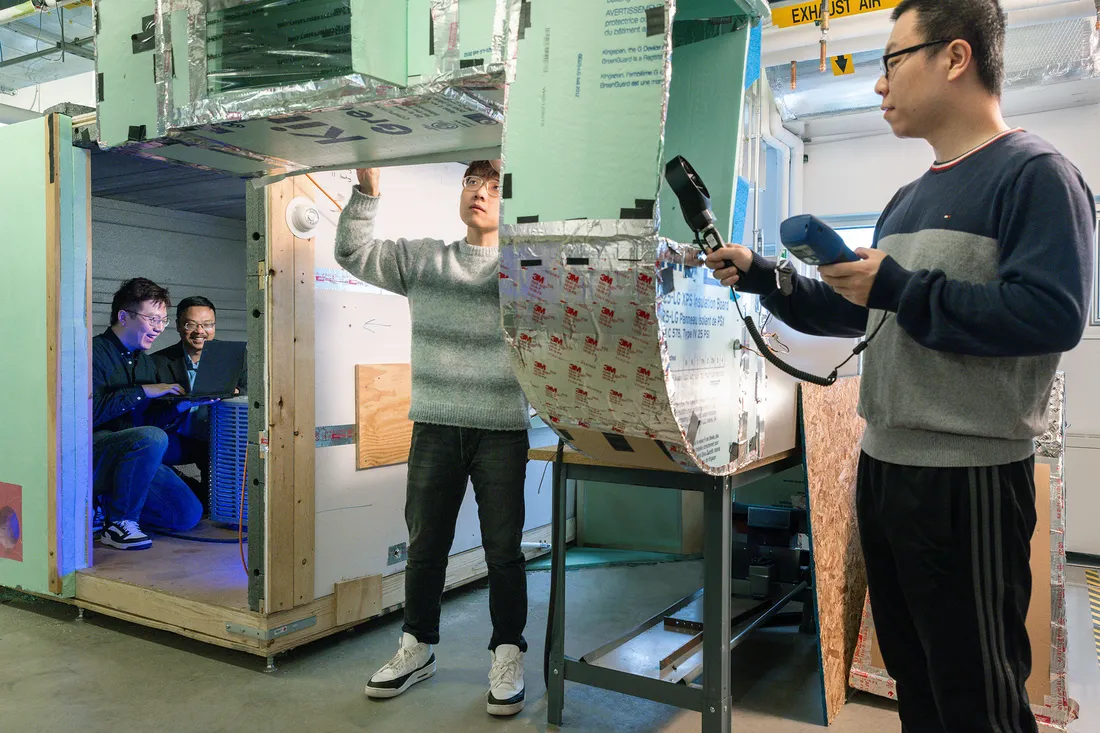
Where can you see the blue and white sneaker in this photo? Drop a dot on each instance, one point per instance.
(125, 534)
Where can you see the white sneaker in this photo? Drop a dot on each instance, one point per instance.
(414, 662)
(505, 681)
(125, 534)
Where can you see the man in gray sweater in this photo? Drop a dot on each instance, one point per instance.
(470, 423)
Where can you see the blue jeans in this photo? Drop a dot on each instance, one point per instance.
(441, 460)
(127, 473)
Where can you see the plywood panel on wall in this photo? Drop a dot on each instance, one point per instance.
(832, 434)
(382, 396)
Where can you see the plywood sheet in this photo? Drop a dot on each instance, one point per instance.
(382, 396)
(200, 571)
(358, 599)
(832, 433)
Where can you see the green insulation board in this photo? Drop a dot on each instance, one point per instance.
(126, 91)
(24, 381)
(704, 121)
(585, 110)
(585, 113)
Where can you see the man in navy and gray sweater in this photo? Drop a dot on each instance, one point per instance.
(980, 278)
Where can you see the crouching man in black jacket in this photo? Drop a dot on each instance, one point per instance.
(130, 420)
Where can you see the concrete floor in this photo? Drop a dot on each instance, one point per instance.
(106, 675)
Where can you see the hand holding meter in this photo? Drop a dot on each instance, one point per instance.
(813, 238)
(814, 242)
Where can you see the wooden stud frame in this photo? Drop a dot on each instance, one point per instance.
(290, 406)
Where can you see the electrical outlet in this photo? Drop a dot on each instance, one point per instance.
(398, 554)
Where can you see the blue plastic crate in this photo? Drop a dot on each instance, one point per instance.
(228, 457)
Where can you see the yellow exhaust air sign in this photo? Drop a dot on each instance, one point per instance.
(810, 12)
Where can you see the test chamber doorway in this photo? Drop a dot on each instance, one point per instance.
(299, 585)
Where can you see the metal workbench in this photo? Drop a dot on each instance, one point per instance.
(727, 620)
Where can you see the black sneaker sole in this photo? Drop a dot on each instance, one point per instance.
(399, 685)
(504, 707)
(108, 542)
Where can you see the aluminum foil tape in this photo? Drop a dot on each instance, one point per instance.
(181, 54)
(623, 342)
(1057, 710)
(618, 331)
(266, 131)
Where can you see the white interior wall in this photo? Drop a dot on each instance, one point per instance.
(360, 514)
(190, 254)
(78, 89)
(860, 175)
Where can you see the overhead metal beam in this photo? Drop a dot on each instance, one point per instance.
(29, 31)
(76, 48)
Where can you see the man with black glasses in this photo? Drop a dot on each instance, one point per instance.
(979, 277)
(189, 443)
(129, 438)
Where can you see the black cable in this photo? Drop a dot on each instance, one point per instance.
(768, 354)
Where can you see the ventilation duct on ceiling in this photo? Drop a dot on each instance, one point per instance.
(1035, 56)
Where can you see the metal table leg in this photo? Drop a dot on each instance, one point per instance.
(555, 686)
(717, 518)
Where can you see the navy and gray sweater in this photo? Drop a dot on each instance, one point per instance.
(986, 283)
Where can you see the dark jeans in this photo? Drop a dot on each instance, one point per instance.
(129, 475)
(184, 450)
(948, 552)
(440, 462)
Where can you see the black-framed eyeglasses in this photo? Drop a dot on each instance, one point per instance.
(886, 67)
(153, 321)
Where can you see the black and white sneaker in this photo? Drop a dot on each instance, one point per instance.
(414, 662)
(125, 534)
(99, 518)
(505, 681)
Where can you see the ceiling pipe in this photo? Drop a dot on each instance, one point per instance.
(30, 7)
(868, 32)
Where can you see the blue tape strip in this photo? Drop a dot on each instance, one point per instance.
(752, 68)
(740, 211)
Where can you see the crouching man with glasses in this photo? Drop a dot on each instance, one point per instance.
(196, 324)
(130, 419)
(470, 423)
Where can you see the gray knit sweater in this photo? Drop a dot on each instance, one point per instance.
(461, 374)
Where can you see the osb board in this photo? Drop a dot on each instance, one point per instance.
(832, 434)
(1038, 614)
(358, 599)
(869, 672)
(200, 571)
(383, 393)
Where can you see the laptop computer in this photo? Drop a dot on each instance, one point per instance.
(219, 371)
